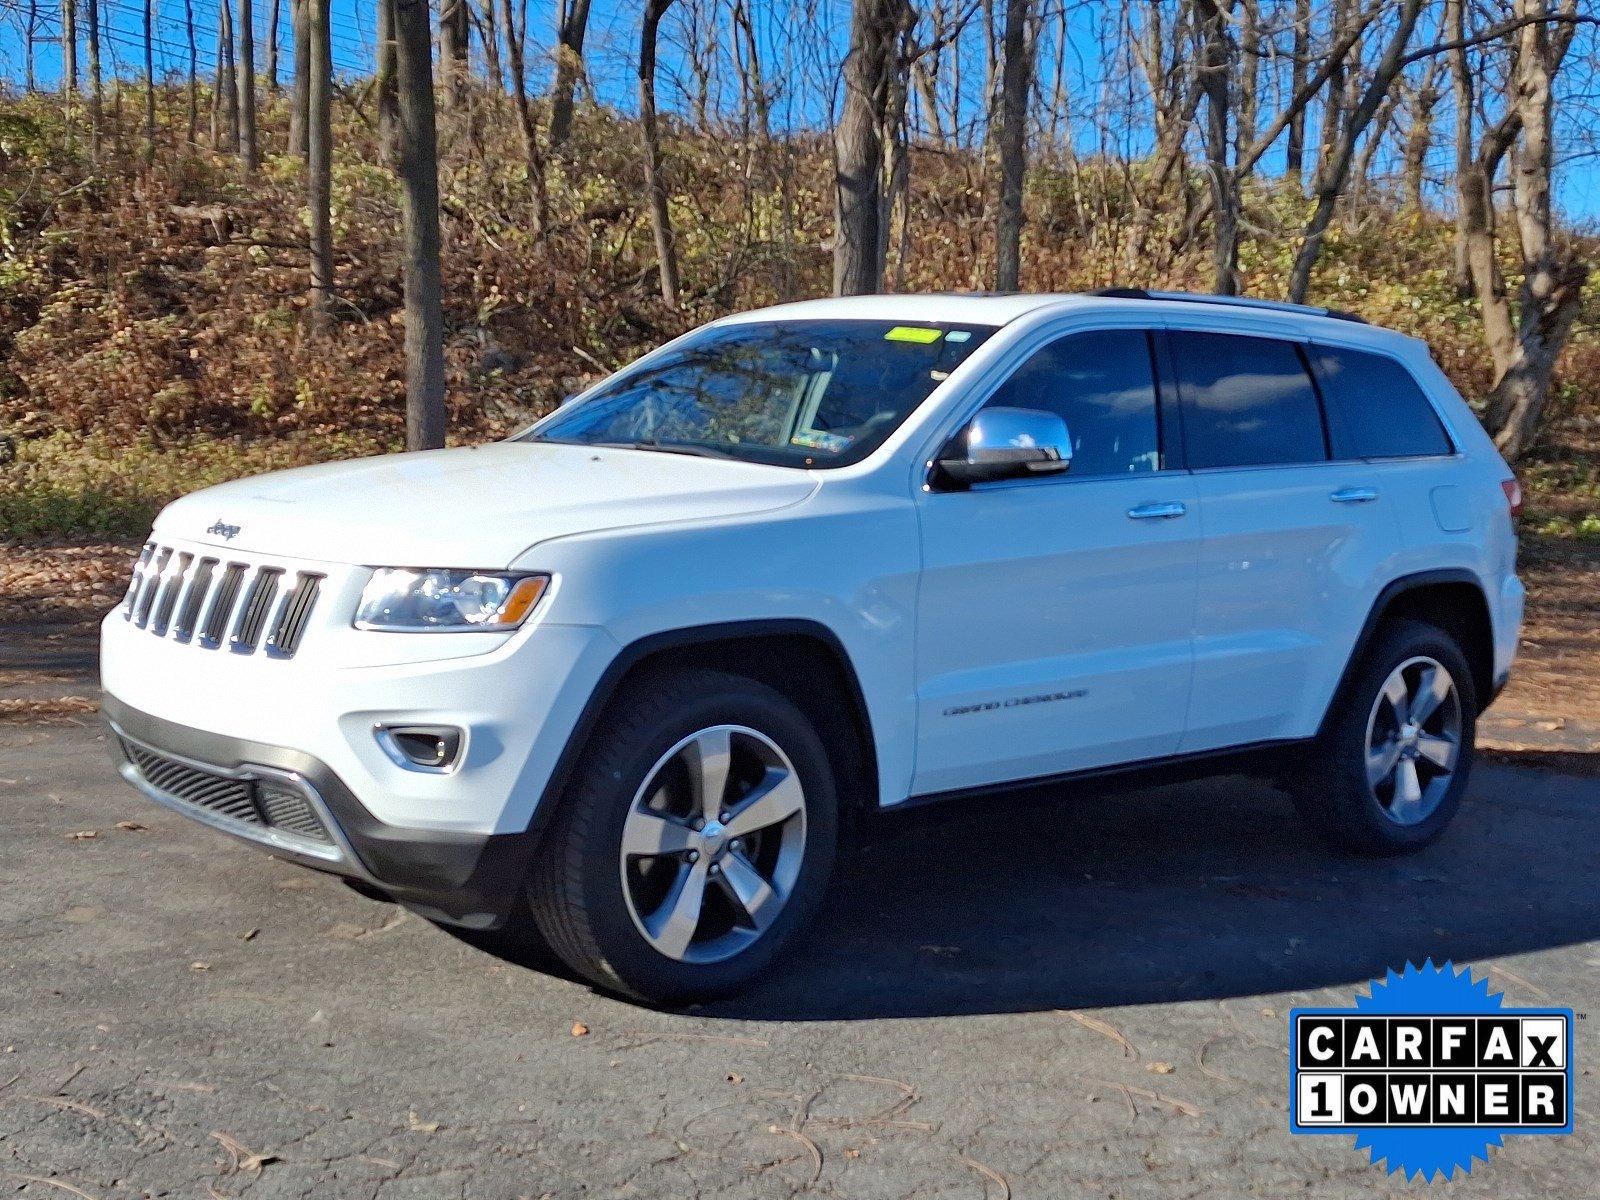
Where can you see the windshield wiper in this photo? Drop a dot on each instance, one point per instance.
(667, 448)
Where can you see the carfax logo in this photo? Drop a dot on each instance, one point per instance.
(1430, 1070)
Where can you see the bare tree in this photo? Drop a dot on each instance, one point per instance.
(319, 158)
(386, 84)
(858, 250)
(246, 104)
(1339, 147)
(515, 21)
(660, 216)
(1016, 82)
(301, 88)
(194, 73)
(1214, 78)
(272, 45)
(96, 90)
(1525, 344)
(489, 37)
(419, 176)
(69, 48)
(1300, 51)
(149, 84)
(1419, 101)
(572, 27)
(455, 33)
(225, 99)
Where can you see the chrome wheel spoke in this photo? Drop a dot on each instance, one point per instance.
(1440, 751)
(1432, 691)
(1407, 791)
(709, 758)
(673, 926)
(647, 834)
(752, 893)
(774, 800)
(1381, 762)
(1394, 691)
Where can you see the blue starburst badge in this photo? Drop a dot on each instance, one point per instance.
(1430, 1071)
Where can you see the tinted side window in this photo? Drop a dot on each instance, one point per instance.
(1247, 401)
(1379, 409)
(1101, 384)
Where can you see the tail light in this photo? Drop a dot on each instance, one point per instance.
(1513, 491)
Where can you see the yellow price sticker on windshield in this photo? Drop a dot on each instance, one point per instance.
(913, 333)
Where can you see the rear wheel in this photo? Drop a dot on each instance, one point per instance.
(696, 836)
(1393, 763)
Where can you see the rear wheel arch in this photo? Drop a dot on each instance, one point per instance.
(1450, 598)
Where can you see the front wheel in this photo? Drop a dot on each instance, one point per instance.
(696, 836)
(1389, 772)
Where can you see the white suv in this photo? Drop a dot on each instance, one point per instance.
(627, 678)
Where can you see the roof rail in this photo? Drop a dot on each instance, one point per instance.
(1134, 293)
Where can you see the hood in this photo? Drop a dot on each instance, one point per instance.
(478, 506)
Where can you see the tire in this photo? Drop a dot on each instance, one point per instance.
(618, 918)
(1377, 804)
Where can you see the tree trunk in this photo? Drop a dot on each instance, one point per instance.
(319, 158)
(1295, 153)
(455, 34)
(660, 216)
(388, 87)
(419, 176)
(96, 90)
(573, 26)
(1552, 277)
(194, 73)
(272, 46)
(1335, 168)
(69, 48)
(858, 251)
(225, 101)
(490, 37)
(515, 21)
(29, 35)
(1015, 84)
(246, 104)
(149, 84)
(301, 90)
(1213, 78)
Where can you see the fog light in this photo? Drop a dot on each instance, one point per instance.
(422, 747)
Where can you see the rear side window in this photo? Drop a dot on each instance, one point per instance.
(1103, 386)
(1247, 401)
(1376, 408)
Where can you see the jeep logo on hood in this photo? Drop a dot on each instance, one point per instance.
(225, 531)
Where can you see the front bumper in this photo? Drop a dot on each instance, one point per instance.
(469, 879)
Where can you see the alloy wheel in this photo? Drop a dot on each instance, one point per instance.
(1414, 740)
(713, 844)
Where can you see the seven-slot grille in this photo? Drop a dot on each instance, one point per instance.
(211, 602)
(265, 803)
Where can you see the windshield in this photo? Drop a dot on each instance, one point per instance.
(794, 393)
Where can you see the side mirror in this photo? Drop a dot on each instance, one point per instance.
(1007, 443)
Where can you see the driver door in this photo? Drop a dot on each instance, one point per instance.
(1055, 616)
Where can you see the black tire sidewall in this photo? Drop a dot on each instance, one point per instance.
(612, 777)
(1355, 817)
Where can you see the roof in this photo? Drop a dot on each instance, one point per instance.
(980, 308)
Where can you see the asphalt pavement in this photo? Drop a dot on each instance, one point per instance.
(1088, 998)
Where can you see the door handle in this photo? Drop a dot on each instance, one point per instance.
(1354, 495)
(1163, 511)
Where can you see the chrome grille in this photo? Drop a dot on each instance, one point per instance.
(211, 601)
(263, 803)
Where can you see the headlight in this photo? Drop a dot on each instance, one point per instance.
(405, 601)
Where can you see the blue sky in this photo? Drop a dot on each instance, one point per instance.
(803, 52)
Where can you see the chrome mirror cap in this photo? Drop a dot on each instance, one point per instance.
(1008, 443)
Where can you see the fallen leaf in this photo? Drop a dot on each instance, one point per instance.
(579, 1029)
(418, 1125)
(249, 935)
(199, 966)
(734, 1077)
(1159, 1068)
(131, 826)
(83, 835)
